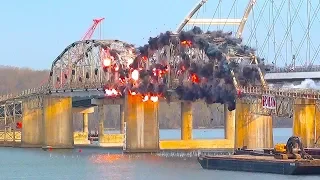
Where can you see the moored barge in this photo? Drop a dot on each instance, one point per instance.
(289, 159)
(261, 164)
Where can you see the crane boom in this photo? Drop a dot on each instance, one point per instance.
(91, 30)
(87, 36)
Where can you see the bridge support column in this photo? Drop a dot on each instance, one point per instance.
(229, 124)
(32, 119)
(58, 125)
(142, 125)
(82, 137)
(107, 140)
(186, 120)
(85, 123)
(306, 117)
(122, 119)
(101, 113)
(253, 130)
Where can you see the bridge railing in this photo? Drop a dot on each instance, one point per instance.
(23, 93)
(283, 92)
(313, 68)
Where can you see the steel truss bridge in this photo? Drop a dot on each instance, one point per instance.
(79, 68)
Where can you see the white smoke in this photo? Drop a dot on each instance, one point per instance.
(306, 84)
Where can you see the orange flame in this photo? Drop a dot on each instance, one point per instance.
(145, 98)
(194, 78)
(159, 72)
(111, 92)
(106, 62)
(116, 68)
(186, 43)
(132, 93)
(153, 98)
(135, 75)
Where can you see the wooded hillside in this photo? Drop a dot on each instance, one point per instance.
(13, 80)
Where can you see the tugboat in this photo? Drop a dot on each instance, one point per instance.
(288, 159)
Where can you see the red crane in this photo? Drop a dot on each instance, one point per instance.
(91, 30)
(87, 36)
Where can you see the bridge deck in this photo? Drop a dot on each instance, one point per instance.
(292, 76)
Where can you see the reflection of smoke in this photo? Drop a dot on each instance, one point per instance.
(306, 84)
(209, 76)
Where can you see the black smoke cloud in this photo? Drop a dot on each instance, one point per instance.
(214, 72)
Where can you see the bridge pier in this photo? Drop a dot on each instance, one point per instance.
(229, 124)
(186, 120)
(58, 125)
(82, 137)
(32, 120)
(142, 125)
(122, 119)
(108, 140)
(101, 114)
(253, 130)
(306, 117)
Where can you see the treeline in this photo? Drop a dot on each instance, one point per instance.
(15, 80)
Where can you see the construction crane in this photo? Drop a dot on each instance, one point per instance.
(91, 30)
(87, 36)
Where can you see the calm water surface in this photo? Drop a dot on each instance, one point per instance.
(99, 164)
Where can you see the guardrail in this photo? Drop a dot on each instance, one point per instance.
(8, 136)
(254, 90)
(283, 92)
(314, 68)
(23, 93)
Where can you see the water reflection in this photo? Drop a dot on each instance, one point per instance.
(106, 164)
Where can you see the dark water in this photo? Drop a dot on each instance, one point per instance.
(97, 164)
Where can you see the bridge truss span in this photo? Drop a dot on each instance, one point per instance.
(282, 92)
(284, 99)
(87, 64)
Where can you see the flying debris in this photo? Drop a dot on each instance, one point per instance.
(198, 63)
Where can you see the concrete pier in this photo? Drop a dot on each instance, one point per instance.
(229, 124)
(101, 113)
(107, 140)
(253, 131)
(188, 143)
(142, 125)
(306, 121)
(58, 125)
(85, 124)
(32, 120)
(122, 119)
(82, 137)
(186, 120)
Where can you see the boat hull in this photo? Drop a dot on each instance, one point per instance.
(261, 164)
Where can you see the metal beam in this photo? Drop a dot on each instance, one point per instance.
(191, 13)
(215, 21)
(245, 18)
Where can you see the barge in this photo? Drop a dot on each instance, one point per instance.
(261, 164)
(288, 159)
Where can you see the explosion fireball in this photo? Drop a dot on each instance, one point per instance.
(198, 65)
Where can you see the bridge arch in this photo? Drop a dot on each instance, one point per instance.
(80, 64)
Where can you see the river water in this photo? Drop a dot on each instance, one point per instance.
(89, 163)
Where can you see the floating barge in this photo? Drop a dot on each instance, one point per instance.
(262, 164)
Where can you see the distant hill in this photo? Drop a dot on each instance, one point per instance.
(15, 80)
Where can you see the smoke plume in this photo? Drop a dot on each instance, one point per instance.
(199, 63)
(306, 84)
